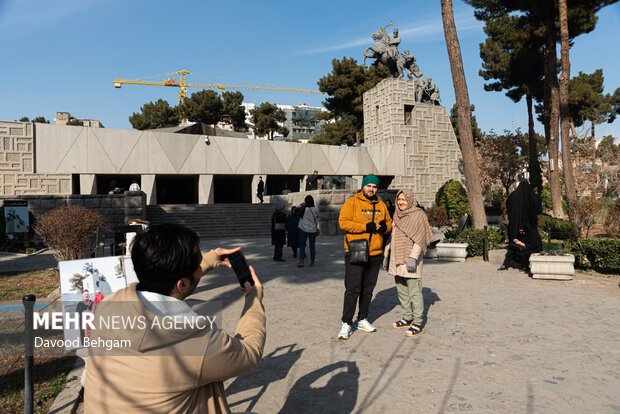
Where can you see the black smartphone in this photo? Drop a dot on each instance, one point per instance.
(241, 268)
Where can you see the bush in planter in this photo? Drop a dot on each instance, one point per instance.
(437, 216)
(598, 254)
(493, 202)
(475, 238)
(69, 231)
(560, 229)
(453, 197)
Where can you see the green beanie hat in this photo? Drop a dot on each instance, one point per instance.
(370, 179)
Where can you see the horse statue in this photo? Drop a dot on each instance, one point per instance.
(381, 52)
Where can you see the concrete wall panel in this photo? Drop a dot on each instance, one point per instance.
(158, 159)
(137, 161)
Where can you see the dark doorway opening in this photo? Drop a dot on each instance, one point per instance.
(75, 183)
(277, 184)
(108, 182)
(385, 181)
(232, 189)
(177, 189)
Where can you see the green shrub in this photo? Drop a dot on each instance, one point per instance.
(453, 198)
(560, 229)
(598, 254)
(475, 238)
(437, 216)
(493, 202)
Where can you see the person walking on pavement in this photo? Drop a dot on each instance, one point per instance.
(404, 254)
(363, 216)
(308, 227)
(278, 232)
(260, 190)
(292, 227)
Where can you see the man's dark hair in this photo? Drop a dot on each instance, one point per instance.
(164, 254)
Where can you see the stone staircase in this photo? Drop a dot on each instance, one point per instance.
(216, 220)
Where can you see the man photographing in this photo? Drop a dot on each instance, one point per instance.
(169, 264)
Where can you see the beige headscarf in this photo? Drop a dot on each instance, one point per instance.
(410, 225)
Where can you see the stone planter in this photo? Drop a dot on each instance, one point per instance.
(552, 267)
(431, 253)
(452, 252)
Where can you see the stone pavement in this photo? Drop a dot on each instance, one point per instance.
(493, 342)
(16, 262)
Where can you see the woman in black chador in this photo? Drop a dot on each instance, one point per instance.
(523, 209)
(278, 233)
(518, 253)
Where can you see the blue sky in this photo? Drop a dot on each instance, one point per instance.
(62, 55)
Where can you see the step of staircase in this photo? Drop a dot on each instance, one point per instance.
(216, 220)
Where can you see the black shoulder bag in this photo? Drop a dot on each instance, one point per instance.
(359, 250)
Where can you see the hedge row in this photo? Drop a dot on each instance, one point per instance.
(475, 238)
(602, 255)
(560, 229)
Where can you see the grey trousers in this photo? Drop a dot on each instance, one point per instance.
(410, 297)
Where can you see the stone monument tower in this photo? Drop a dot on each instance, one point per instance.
(432, 154)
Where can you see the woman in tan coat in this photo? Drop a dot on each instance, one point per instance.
(403, 259)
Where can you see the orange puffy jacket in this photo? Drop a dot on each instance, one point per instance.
(356, 213)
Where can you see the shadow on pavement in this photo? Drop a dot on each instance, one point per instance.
(383, 303)
(338, 395)
(272, 368)
(430, 298)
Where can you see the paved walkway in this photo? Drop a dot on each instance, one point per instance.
(15, 262)
(493, 342)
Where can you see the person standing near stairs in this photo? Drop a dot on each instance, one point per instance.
(308, 230)
(260, 190)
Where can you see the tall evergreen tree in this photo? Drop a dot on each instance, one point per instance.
(233, 111)
(543, 14)
(203, 106)
(154, 115)
(511, 57)
(470, 161)
(567, 160)
(345, 87)
(266, 119)
(588, 103)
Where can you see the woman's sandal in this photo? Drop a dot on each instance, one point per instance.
(401, 324)
(414, 330)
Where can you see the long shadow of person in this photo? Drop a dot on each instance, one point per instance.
(430, 298)
(339, 395)
(272, 368)
(382, 303)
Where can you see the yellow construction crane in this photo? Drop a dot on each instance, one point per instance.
(180, 83)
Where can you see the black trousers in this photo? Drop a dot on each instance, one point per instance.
(277, 251)
(359, 283)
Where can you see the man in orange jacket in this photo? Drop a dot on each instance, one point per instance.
(363, 216)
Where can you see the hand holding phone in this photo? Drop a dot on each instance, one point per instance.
(241, 268)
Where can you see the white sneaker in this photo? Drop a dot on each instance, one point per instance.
(364, 325)
(345, 331)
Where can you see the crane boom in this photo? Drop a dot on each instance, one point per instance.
(221, 87)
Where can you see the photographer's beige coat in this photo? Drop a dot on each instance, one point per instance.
(144, 381)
